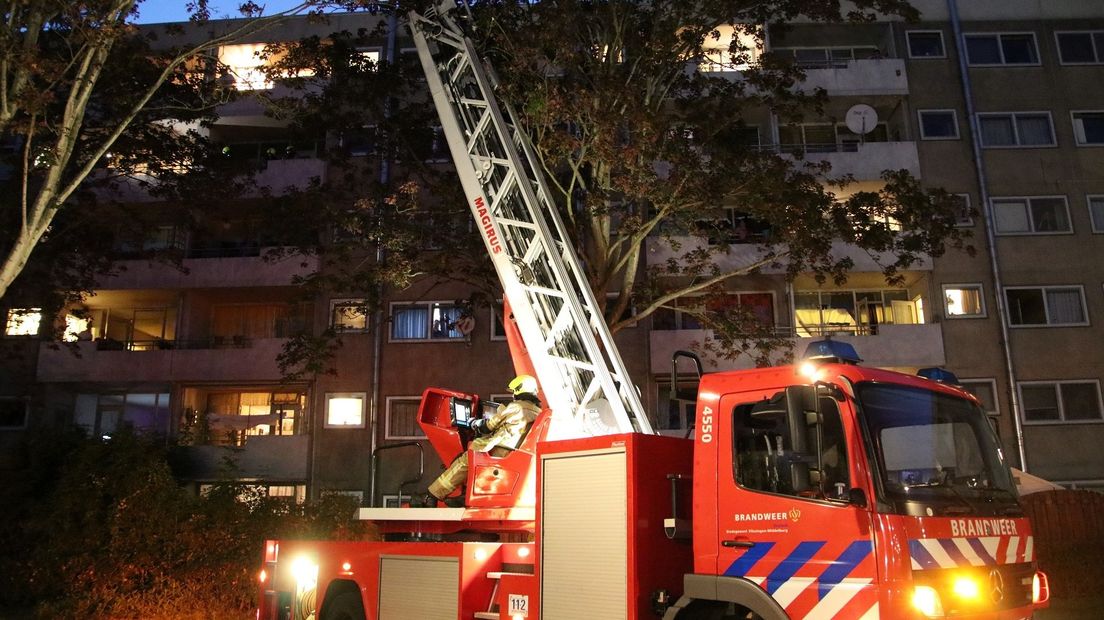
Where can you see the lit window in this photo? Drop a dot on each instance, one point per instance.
(938, 125)
(1002, 49)
(402, 418)
(349, 315)
(1046, 305)
(23, 322)
(964, 300)
(246, 65)
(1081, 48)
(77, 328)
(1061, 401)
(1088, 128)
(345, 410)
(1016, 129)
(1041, 215)
(925, 44)
(426, 321)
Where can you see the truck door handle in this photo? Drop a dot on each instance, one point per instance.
(743, 544)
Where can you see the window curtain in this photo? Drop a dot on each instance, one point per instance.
(1065, 306)
(409, 323)
(1034, 129)
(444, 321)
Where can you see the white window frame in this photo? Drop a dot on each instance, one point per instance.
(1046, 308)
(26, 413)
(968, 221)
(962, 285)
(1099, 53)
(428, 305)
(1027, 201)
(387, 417)
(1016, 130)
(992, 383)
(493, 322)
(9, 320)
(1061, 404)
(942, 44)
(1077, 134)
(363, 396)
(1088, 205)
(1000, 48)
(349, 301)
(954, 116)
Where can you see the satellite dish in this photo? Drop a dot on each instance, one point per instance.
(861, 119)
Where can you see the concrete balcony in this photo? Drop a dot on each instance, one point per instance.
(741, 256)
(281, 175)
(873, 76)
(278, 458)
(220, 272)
(253, 360)
(894, 346)
(866, 162)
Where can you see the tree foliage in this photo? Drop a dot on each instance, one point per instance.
(640, 149)
(101, 529)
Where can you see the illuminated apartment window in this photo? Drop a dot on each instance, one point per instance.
(425, 321)
(77, 328)
(349, 315)
(963, 300)
(23, 322)
(246, 65)
(345, 409)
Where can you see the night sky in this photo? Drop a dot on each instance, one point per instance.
(157, 11)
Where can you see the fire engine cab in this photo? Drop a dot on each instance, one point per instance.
(818, 490)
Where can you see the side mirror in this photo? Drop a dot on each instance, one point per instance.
(799, 476)
(857, 497)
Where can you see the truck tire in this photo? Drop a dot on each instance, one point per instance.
(346, 605)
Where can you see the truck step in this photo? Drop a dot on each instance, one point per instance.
(487, 615)
(498, 574)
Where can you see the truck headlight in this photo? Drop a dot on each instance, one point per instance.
(926, 600)
(966, 588)
(305, 572)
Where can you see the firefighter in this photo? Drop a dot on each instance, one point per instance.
(498, 433)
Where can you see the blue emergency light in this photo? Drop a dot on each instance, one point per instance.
(938, 374)
(831, 350)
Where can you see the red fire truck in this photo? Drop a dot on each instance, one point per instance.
(819, 490)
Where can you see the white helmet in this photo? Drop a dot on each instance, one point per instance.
(523, 384)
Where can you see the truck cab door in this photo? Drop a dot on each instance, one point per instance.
(789, 520)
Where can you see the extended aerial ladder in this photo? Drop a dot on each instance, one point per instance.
(581, 373)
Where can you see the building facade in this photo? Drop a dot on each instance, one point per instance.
(1001, 103)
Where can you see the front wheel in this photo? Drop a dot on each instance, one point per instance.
(345, 606)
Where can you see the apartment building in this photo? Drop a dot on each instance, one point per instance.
(1000, 102)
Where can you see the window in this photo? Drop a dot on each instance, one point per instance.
(853, 312)
(1096, 212)
(241, 322)
(246, 65)
(1080, 48)
(1010, 129)
(498, 328)
(402, 417)
(938, 125)
(104, 414)
(1088, 128)
(963, 217)
(963, 301)
(925, 44)
(23, 322)
(760, 305)
(232, 417)
(766, 459)
(1046, 305)
(13, 413)
(1061, 401)
(679, 411)
(986, 391)
(1035, 215)
(349, 315)
(345, 409)
(426, 321)
(1014, 48)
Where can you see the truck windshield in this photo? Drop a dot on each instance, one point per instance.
(936, 453)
